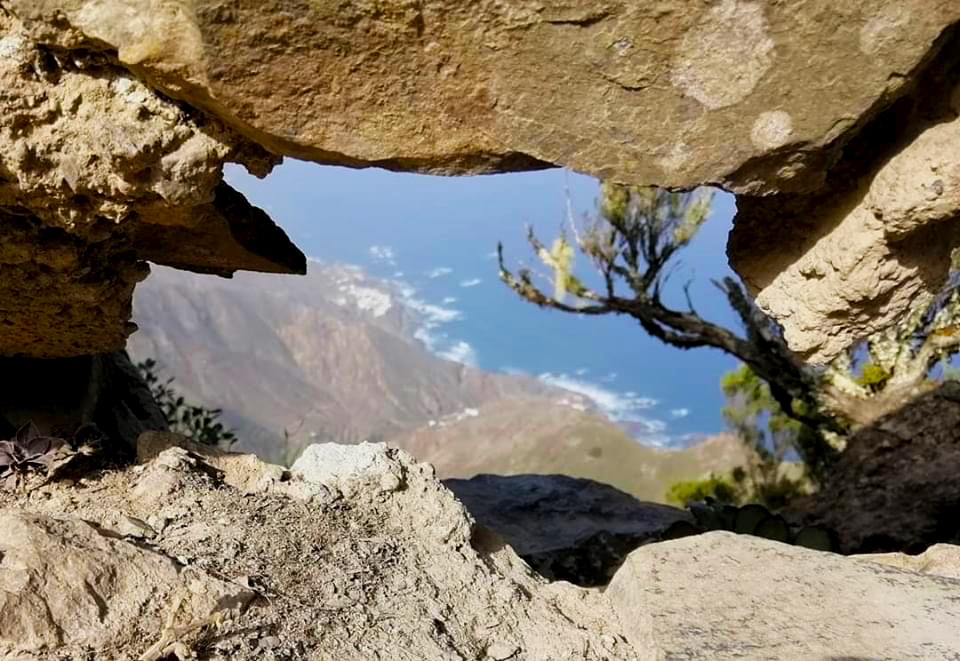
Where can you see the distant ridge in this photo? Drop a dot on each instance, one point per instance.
(331, 356)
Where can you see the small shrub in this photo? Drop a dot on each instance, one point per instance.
(27, 450)
(198, 422)
(715, 487)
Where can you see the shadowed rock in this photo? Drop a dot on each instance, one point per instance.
(566, 528)
(895, 487)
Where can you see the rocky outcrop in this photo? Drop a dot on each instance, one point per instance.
(118, 115)
(753, 96)
(895, 486)
(99, 172)
(565, 528)
(361, 556)
(877, 240)
(360, 553)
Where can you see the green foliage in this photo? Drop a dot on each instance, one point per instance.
(198, 422)
(715, 486)
(633, 241)
(770, 434)
(874, 377)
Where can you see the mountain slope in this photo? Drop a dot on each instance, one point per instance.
(332, 357)
(524, 435)
(329, 356)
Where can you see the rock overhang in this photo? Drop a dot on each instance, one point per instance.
(763, 100)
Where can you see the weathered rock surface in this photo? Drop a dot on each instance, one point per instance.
(565, 528)
(99, 172)
(339, 570)
(939, 559)
(876, 241)
(726, 596)
(118, 115)
(895, 486)
(231, 558)
(676, 93)
(67, 583)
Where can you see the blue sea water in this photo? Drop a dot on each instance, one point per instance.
(438, 235)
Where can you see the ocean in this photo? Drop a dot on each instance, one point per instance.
(435, 238)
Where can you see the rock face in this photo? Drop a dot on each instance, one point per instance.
(727, 596)
(565, 528)
(118, 114)
(369, 558)
(440, 86)
(836, 266)
(99, 172)
(895, 487)
(366, 555)
(59, 574)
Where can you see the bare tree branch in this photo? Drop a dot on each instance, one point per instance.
(634, 238)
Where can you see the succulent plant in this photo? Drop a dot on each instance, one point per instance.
(27, 450)
(752, 519)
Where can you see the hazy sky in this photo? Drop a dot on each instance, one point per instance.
(435, 235)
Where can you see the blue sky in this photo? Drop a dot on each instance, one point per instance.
(435, 236)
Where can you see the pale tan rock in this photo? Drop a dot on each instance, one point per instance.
(120, 113)
(938, 560)
(169, 456)
(401, 574)
(406, 574)
(839, 268)
(63, 583)
(725, 596)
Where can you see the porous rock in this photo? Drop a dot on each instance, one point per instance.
(118, 115)
(368, 573)
(725, 596)
(877, 240)
(99, 172)
(565, 528)
(121, 562)
(67, 584)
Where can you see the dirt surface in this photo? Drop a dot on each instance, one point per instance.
(360, 553)
(388, 569)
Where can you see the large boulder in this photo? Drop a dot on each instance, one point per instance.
(118, 114)
(68, 584)
(754, 96)
(727, 596)
(361, 553)
(99, 172)
(877, 239)
(343, 563)
(895, 487)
